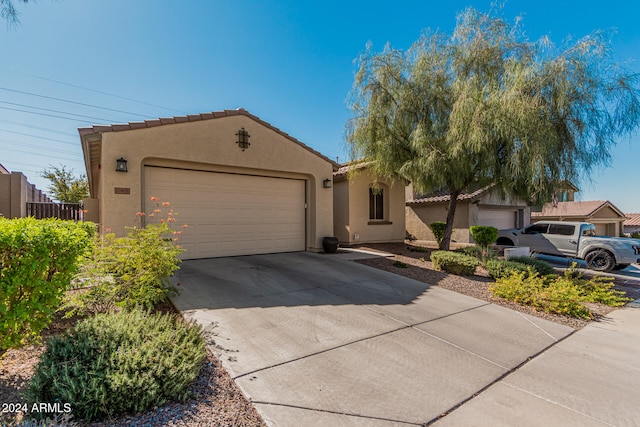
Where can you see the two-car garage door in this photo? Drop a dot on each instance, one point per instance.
(230, 214)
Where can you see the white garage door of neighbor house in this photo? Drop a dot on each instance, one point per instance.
(229, 214)
(498, 218)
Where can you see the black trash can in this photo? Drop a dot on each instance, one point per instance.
(330, 244)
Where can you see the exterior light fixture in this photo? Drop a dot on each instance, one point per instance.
(243, 139)
(121, 165)
(326, 183)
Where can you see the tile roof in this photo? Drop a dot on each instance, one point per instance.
(574, 209)
(634, 219)
(95, 129)
(444, 196)
(344, 169)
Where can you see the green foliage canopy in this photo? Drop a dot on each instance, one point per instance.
(37, 261)
(65, 187)
(485, 106)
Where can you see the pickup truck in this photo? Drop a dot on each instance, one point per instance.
(574, 240)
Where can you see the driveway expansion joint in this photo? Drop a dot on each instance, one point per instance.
(348, 414)
(496, 381)
(553, 402)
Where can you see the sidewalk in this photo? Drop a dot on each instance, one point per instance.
(589, 379)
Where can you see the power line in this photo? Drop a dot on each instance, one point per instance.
(38, 128)
(36, 154)
(55, 111)
(95, 91)
(39, 137)
(73, 102)
(21, 145)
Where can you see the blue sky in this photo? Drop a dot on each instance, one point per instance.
(288, 62)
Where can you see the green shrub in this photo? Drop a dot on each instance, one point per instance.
(542, 267)
(437, 228)
(499, 268)
(556, 296)
(483, 235)
(127, 272)
(37, 261)
(454, 262)
(564, 294)
(117, 363)
(635, 235)
(478, 252)
(597, 288)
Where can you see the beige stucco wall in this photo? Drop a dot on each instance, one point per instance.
(341, 225)
(210, 145)
(419, 217)
(351, 216)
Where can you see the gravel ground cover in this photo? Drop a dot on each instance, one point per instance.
(217, 399)
(418, 267)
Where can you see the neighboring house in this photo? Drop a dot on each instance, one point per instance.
(607, 218)
(16, 192)
(366, 209)
(632, 224)
(477, 206)
(241, 185)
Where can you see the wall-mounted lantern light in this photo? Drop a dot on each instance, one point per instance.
(243, 139)
(121, 165)
(326, 183)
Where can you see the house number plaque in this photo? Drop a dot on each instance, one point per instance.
(122, 190)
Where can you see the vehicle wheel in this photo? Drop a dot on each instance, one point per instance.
(621, 266)
(600, 260)
(503, 241)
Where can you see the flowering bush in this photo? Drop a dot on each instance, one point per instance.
(130, 271)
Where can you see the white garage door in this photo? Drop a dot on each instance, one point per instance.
(230, 214)
(498, 218)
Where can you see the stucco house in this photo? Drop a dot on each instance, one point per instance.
(367, 209)
(241, 185)
(632, 223)
(477, 206)
(607, 218)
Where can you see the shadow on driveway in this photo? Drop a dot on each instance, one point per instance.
(317, 340)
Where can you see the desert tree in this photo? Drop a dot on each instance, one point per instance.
(65, 186)
(8, 11)
(486, 106)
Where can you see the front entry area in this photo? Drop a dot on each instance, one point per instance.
(227, 213)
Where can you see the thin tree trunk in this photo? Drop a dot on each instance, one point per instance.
(446, 240)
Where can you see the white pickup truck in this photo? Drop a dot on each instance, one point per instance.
(574, 240)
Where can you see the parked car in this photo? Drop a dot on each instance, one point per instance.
(574, 240)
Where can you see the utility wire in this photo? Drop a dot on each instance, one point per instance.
(40, 147)
(36, 154)
(73, 102)
(57, 117)
(39, 137)
(39, 128)
(96, 91)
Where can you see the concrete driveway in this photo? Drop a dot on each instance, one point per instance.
(313, 339)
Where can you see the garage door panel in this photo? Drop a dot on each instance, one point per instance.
(229, 214)
(498, 218)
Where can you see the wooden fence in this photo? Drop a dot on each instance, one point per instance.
(71, 211)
